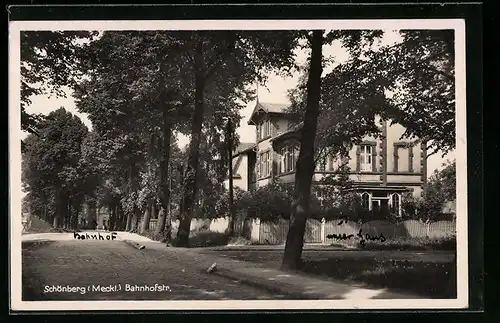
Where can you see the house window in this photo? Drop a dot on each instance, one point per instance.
(288, 159)
(267, 127)
(366, 158)
(265, 164)
(320, 195)
(264, 129)
(365, 201)
(335, 162)
(396, 203)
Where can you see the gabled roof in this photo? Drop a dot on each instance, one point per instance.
(293, 131)
(244, 146)
(268, 108)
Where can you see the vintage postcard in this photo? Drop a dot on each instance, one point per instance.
(238, 164)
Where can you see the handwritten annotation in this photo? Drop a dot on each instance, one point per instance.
(363, 238)
(94, 236)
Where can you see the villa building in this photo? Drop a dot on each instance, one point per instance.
(381, 169)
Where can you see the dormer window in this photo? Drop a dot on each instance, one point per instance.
(264, 129)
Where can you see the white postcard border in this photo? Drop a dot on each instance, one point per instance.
(15, 136)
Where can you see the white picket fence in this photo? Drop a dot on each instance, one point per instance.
(318, 231)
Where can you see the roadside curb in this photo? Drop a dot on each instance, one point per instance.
(283, 289)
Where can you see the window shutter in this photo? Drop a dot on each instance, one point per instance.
(269, 163)
(374, 158)
(396, 157)
(358, 158)
(410, 158)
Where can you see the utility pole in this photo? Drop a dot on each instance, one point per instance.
(230, 166)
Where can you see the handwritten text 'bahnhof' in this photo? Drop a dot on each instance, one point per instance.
(94, 236)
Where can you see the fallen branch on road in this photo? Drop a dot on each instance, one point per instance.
(135, 244)
(212, 268)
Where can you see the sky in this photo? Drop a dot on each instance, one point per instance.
(274, 91)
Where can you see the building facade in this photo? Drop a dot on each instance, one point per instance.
(381, 168)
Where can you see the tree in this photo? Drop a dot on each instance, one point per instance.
(395, 82)
(135, 76)
(51, 166)
(442, 185)
(48, 63)
(437, 193)
(412, 80)
(229, 61)
(305, 162)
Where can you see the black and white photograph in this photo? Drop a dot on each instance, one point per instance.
(267, 164)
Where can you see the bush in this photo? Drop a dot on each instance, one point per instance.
(208, 239)
(424, 209)
(269, 203)
(402, 244)
(239, 241)
(162, 236)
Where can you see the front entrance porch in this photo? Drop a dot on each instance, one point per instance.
(381, 199)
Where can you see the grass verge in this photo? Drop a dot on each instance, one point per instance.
(432, 276)
(403, 244)
(435, 280)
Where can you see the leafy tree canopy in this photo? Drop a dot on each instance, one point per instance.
(48, 63)
(410, 82)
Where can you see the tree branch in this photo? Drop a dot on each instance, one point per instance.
(435, 70)
(219, 59)
(189, 58)
(436, 149)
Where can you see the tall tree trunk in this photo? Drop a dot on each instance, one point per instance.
(112, 218)
(128, 225)
(69, 216)
(138, 213)
(153, 210)
(230, 226)
(190, 188)
(92, 213)
(131, 213)
(147, 217)
(61, 209)
(305, 162)
(121, 218)
(165, 219)
(74, 223)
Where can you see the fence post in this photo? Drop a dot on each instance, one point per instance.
(255, 234)
(323, 238)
